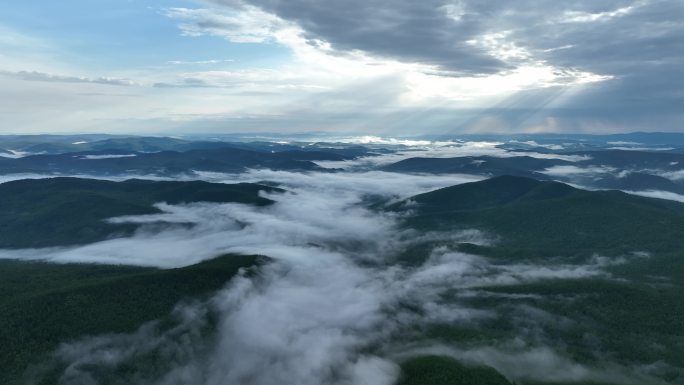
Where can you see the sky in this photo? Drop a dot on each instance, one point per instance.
(381, 67)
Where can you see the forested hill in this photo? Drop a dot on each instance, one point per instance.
(67, 211)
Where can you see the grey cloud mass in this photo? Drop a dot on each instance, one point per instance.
(422, 32)
(642, 48)
(609, 36)
(638, 44)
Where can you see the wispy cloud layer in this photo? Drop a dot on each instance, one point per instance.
(46, 77)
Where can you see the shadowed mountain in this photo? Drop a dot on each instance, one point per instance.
(619, 159)
(637, 181)
(538, 218)
(54, 145)
(633, 159)
(67, 211)
(652, 138)
(439, 370)
(117, 162)
(479, 165)
(59, 142)
(60, 145)
(139, 144)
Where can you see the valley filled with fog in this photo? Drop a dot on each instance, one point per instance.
(369, 264)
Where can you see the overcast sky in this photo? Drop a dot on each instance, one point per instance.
(384, 67)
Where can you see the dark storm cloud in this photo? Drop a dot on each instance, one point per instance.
(409, 31)
(607, 36)
(645, 36)
(643, 48)
(639, 43)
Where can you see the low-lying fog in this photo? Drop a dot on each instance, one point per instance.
(332, 306)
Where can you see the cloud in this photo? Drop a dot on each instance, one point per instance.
(658, 194)
(46, 77)
(286, 226)
(404, 149)
(624, 143)
(439, 66)
(673, 175)
(533, 143)
(252, 80)
(108, 156)
(642, 148)
(200, 62)
(250, 25)
(305, 317)
(480, 37)
(4, 153)
(588, 17)
(465, 271)
(594, 71)
(569, 171)
(429, 36)
(423, 79)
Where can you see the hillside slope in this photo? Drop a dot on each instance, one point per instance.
(66, 211)
(44, 304)
(550, 218)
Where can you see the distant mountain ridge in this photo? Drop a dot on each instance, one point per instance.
(479, 165)
(225, 159)
(601, 169)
